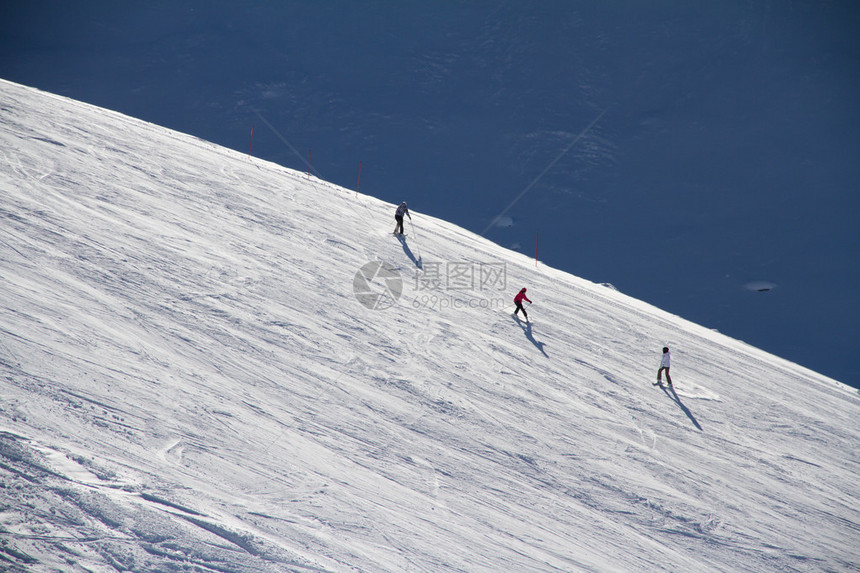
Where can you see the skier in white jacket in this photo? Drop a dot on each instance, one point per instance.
(664, 365)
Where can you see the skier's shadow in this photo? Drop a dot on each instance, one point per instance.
(527, 330)
(408, 251)
(670, 392)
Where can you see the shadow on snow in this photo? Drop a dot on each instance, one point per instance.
(527, 330)
(408, 251)
(674, 396)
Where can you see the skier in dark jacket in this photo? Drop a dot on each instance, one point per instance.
(518, 300)
(398, 216)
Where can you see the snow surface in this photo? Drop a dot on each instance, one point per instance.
(724, 150)
(191, 383)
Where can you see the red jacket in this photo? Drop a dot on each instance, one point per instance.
(520, 296)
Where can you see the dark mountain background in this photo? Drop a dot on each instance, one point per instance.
(700, 156)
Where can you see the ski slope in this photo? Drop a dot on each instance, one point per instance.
(190, 383)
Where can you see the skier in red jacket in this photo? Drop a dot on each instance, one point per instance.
(518, 300)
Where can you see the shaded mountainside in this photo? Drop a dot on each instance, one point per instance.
(190, 382)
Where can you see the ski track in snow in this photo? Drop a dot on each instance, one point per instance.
(189, 381)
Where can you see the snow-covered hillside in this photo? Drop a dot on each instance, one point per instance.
(686, 152)
(202, 372)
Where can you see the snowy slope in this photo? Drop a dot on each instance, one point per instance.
(718, 136)
(189, 382)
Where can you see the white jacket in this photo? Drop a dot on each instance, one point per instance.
(664, 363)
